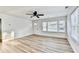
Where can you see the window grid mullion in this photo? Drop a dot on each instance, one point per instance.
(57, 26)
(47, 26)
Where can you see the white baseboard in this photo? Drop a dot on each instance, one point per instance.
(20, 36)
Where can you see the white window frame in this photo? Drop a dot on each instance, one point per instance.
(57, 26)
(49, 28)
(74, 25)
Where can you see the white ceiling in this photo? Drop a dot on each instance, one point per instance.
(20, 11)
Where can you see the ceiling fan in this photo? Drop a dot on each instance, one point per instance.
(35, 13)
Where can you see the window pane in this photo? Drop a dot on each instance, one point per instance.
(75, 25)
(61, 26)
(78, 26)
(44, 26)
(52, 26)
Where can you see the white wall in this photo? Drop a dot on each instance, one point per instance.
(73, 44)
(38, 28)
(21, 27)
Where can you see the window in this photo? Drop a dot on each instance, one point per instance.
(61, 26)
(75, 24)
(44, 26)
(54, 26)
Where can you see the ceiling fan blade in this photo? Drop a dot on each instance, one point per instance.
(29, 14)
(31, 11)
(40, 14)
(37, 16)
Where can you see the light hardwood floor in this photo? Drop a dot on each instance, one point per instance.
(36, 44)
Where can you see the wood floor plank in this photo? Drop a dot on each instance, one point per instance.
(36, 44)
